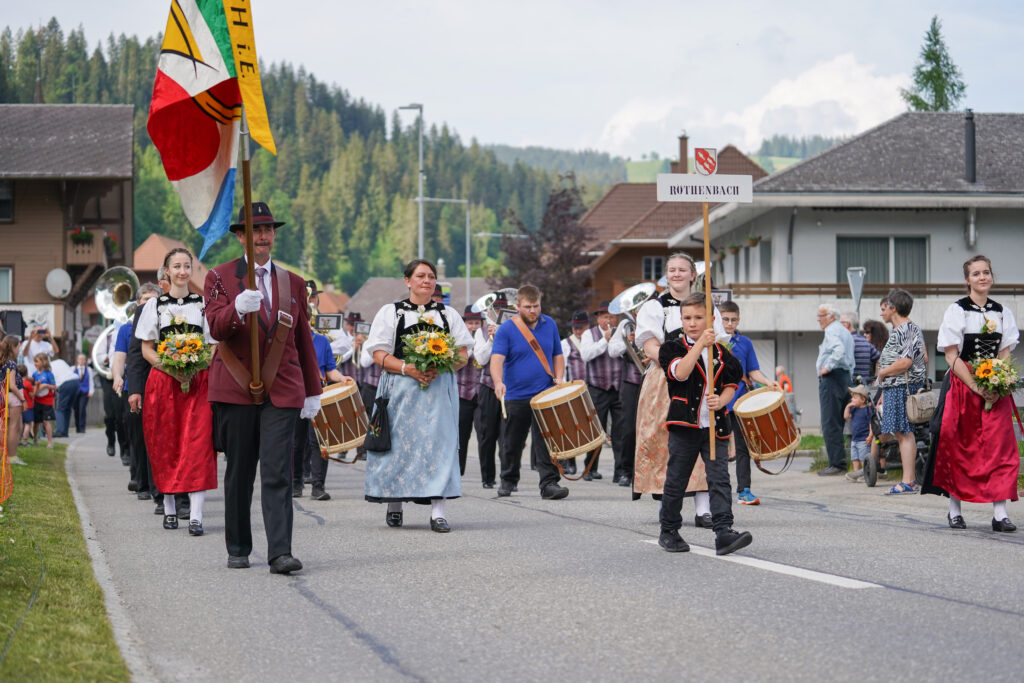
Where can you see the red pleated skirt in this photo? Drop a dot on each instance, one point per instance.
(977, 459)
(179, 434)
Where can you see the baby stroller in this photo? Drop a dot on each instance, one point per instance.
(889, 448)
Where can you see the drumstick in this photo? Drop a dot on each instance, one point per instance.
(503, 413)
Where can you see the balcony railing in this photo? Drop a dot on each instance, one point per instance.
(92, 253)
(871, 289)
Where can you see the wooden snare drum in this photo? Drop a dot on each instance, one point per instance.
(568, 421)
(767, 425)
(341, 423)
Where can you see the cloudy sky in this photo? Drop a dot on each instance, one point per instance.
(616, 76)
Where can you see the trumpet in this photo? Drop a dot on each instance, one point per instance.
(625, 304)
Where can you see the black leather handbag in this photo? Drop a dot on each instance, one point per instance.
(378, 431)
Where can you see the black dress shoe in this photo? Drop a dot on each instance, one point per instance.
(125, 460)
(1004, 525)
(569, 467)
(956, 522)
(623, 480)
(195, 528)
(307, 479)
(488, 484)
(440, 525)
(596, 475)
(170, 521)
(729, 541)
(159, 508)
(143, 495)
(673, 542)
(110, 451)
(284, 564)
(589, 476)
(133, 486)
(297, 491)
(554, 492)
(238, 561)
(393, 518)
(505, 489)
(704, 521)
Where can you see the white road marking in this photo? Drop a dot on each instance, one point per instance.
(799, 572)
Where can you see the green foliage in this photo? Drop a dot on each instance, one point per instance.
(937, 82)
(793, 147)
(344, 177)
(591, 167)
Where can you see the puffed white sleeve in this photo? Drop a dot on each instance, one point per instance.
(650, 322)
(382, 331)
(148, 327)
(1011, 334)
(482, 346)
(206, 331)
(617, 344)
(952, 328)
(365, 359)
(341, 344)
(463, 337)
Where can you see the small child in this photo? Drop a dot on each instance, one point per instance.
(45, 391)
(28, 416)
(858, 412)
(688, 423)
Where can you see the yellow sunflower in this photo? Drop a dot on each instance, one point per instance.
(438, 347)
(985, 369)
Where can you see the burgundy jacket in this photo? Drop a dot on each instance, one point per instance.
(298, 375)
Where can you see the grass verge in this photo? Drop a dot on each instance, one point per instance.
(65, 635)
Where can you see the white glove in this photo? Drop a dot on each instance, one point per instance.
(248, 301)
(310, 407)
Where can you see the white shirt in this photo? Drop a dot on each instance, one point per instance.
(382, 330)
(956, 322)
(62, 372)
(341, 344)
(36, 347)
(482, 345)
(149, 326)
(617, 344)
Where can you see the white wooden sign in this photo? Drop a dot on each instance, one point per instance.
(690, 187)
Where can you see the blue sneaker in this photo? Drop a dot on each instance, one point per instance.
(748, 498)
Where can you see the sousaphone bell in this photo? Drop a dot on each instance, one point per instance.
(625, 304)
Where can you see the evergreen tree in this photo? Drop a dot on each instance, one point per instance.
(937, 82)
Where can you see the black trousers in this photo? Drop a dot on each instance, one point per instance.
(467, 412)
(306, 456)
(138, 466)
(742, 455)
(607, 402)
(489, 428)
(115, 409)
(683, 448)
(629, 394)
(833, 390)
(254, 435)
(81, 405)
(513, 439)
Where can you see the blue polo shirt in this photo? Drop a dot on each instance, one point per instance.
(324, 357)
(524, 375)
(743, 349)
(124, 335)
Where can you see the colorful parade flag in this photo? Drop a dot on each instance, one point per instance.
(200, 87)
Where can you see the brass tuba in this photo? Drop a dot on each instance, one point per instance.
(485, 304)
(624, 304)
(115, 300)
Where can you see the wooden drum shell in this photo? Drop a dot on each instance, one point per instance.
(341, 423)
(770, 431)
(568, 423)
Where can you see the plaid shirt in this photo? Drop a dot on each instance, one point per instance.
(604, 372)
(630, 373)
(468, 379)
(371, 375)
(574, 365)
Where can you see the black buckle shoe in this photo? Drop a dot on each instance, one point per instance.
(393, 518)
(170, 521)
(440, 525)
(956, 522)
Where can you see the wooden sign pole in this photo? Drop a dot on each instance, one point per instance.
(709, 312)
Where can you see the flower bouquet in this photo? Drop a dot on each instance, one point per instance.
(430, 350)
(183, 355)
(997, 375)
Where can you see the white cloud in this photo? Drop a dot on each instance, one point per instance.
(836, 97)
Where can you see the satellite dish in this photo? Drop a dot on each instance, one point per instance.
(58, 283)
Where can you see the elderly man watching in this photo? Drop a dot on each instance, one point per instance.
(865, 356)
(834, 364)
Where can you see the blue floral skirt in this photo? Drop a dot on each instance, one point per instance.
(894, 408)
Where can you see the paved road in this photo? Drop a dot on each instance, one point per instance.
(841, 583)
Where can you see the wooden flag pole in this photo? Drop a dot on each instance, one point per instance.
(710, 358)
(256, 384)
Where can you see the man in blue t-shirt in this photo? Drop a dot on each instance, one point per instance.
(518, 376)
(743, 350)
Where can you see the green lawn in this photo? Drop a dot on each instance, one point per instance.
(65, 634)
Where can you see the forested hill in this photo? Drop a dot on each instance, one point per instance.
(591, 167)
(344, 177)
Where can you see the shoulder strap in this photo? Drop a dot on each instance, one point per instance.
(281, 330)
(532, 341)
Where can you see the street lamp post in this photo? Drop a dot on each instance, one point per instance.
(419, 197)
(468, 253)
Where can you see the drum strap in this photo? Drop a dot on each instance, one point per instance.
(532, 341)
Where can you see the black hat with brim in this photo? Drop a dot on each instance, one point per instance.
(260, 216)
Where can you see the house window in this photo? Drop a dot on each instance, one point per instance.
(765, 247)
(6, 200)
(654, 268)
(5, 285)
(888, 259)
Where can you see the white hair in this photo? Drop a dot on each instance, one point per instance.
(831, 309)
(851, 317)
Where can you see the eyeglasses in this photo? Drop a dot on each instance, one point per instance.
(822, 315)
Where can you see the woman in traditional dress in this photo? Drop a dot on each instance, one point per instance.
(657, 320)
(423, 409)
(178, 425)
(976, 458)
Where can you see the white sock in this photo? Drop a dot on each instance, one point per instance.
(395, 507)
(702, 500)
(195, 502)
(954, 507)
(999, 510)
(437, 508)
(169, 508)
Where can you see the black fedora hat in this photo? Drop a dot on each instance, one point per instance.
(354, 317)
(580, 319)
(470, 314)
(260, 216)
(602, 307)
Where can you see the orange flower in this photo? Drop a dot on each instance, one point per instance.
(984, 369)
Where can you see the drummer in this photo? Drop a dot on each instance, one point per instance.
(575, 366)
(743, 349)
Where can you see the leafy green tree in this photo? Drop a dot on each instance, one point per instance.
(937, 82)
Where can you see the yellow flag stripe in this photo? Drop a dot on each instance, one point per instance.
(243, 47)
(178, 36)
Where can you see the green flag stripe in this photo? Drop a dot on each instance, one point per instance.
(213, 13)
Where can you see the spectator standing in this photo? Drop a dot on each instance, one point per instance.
(85, 390)
(39, 341)
(67, 395)
(834, 364)
(865, 356)
(45, 389)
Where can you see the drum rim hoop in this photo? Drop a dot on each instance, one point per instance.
(346, 390)
(541, 400)
(761, 411)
